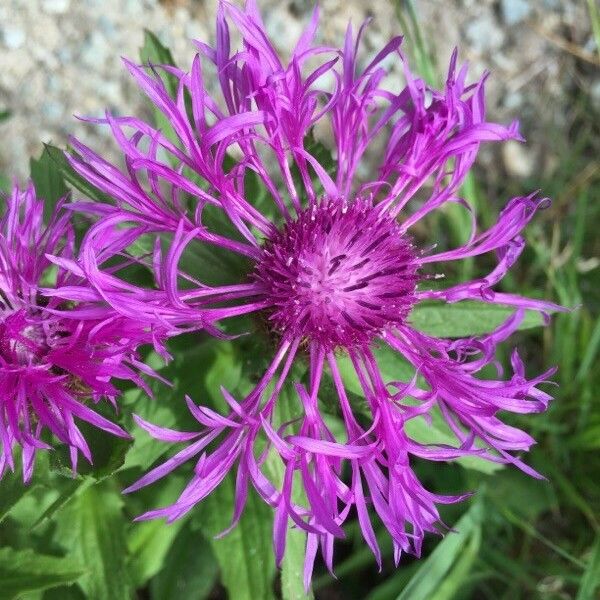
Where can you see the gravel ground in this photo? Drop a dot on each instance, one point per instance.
(61, 57)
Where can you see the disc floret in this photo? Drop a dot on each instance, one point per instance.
(339, 274)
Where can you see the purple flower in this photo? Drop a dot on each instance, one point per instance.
(54, 366)
(334, 269)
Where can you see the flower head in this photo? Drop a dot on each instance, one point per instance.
(333, 268)
(53, 366)
(339, 274)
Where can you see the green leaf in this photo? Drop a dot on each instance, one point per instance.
(591, 578)
(438, 432)
(259, 196)
(150, 542)
(192, 360)
(73, 178)
(447, 556)
(410, 25)
(24, 571)
(461, 571)
(226, 371)
(527, 497)
(292, 573)
(63, 593)
(48, 181)
(154, 53)
(107, 450)
(67, 489)
(11, 491)
(324, 157)
(209, 263)
(393, 368)
(465, 318)
(92, 527)
(5, 185)
(190, 570)
(245, 555)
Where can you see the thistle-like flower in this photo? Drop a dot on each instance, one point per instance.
(57, 359)
(334, 269)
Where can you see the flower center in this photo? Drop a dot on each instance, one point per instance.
(340, 274)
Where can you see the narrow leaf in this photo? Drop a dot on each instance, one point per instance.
(48, 181)
(433, 571)
(73, 178)
(590, 581)
(292, 584)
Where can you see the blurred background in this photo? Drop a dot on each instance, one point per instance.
(525, 539)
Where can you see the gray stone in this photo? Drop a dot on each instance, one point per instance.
(67, 52)
(519, 160)
(484, 34)
(95, 50)
(513, 101)
(52, 110)
(64, 54)
(55, 7)
(595, 94)
(284, 31)
(107, 26)
(514, 11)
(13, 37)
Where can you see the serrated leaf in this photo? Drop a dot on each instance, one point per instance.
(92, 527)
(24, 571)
(190, 570)
(465, 318)
(436, 568)
(48, 181)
